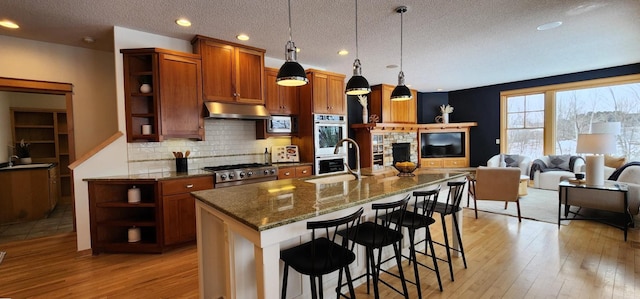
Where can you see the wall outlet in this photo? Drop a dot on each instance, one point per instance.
(497, 140)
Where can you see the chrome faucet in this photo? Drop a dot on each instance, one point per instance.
(356, 173)
(11, 156)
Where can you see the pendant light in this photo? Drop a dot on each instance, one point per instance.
(291, 72)
(357, 85)
(401, 92)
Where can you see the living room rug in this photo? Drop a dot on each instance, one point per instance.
(538, 205)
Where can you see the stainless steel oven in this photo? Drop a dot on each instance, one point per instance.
(328, 130)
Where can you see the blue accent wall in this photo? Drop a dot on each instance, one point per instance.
(482, 105)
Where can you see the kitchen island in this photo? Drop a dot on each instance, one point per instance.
(241, 230)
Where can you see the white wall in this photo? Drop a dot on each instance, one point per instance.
(90, 72)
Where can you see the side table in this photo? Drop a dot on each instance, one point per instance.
(569, 194)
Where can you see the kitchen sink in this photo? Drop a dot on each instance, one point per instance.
(332, 179)
(37, 165)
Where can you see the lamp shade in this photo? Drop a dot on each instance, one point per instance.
(606, 128)
(596, 144)
(291, 74)
(401, 93)
(357, 85)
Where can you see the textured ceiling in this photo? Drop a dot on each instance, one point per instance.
(448, 45)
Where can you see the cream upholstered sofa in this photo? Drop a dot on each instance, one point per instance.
(547, 171)
(520, 161)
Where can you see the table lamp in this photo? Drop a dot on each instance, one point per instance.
(597, 145)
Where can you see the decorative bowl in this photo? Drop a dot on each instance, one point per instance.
(406, 168)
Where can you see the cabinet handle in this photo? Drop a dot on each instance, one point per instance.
(304, 171)
(287, 173)
(189, 186)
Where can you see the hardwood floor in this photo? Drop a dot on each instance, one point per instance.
(506, 259)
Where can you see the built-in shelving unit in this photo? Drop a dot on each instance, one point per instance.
(46, 132)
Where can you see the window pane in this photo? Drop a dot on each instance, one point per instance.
(528, 142)
(515, 104)
(576, 110)
(535, 102)
(515, 120)
(535, 119)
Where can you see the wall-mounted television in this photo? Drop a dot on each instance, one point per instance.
(440, 145)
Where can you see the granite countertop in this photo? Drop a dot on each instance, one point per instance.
(27, 166)
(155, 176)
(266, 205)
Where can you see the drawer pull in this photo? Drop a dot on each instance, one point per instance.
(189, 186)
(304, 171)
(287, 173)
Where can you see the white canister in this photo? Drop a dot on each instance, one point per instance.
(133, 195)
(134, 234)
(146, 129)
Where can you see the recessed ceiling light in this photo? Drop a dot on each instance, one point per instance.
(183, 22)
(88, 40)
(343, 52)
(9, 24)
(549, 26)
(242, 37)
(392, 66)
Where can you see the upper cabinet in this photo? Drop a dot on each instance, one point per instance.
(279, 100)
(389, 111)
(231, 72)
(325, 91)
(163, 95)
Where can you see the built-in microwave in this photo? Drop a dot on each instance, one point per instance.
(282, 124)
(329, 165)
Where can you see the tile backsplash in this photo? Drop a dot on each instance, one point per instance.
(227, 141)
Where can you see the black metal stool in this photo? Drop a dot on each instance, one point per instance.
(421, 217)
(377, 235)
(322, 255)
(451, 207)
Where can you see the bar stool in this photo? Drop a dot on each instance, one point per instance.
(322, 255)
(451, 207)
(377, 235)
(421, 217)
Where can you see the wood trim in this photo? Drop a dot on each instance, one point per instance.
(412, 127)
(574, 85)
(23, 85)
(95, 150)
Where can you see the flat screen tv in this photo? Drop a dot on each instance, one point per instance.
(440, 145)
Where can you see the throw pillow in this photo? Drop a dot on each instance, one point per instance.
(512, 160)
(559, 161)
(614, 162)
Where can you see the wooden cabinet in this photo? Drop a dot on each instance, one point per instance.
(165, 214)
(389, 111)
(112, 216)
(173, 107)
(47, 133)
(371, 149)
(325, 92)
(231, 72)
(279, 100)
(178, 208)
(27, 194)
(291, 172)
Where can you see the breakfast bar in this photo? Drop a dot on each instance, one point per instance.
(241, 230)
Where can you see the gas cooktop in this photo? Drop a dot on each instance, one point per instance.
(236, 166)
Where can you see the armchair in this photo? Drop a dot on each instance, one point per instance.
(497, 183)
(547, 170)
(522, 162)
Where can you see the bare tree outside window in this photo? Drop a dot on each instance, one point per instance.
(576, 110)
(525, 125)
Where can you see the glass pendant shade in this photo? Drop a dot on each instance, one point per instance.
(291, 72)
(357, 85)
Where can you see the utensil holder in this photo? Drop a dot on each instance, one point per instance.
(181, 165)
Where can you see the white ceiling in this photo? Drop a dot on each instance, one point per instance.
(448, 45)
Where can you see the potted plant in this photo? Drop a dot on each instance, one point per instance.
(23, 152)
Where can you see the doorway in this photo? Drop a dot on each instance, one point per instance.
(60, 218)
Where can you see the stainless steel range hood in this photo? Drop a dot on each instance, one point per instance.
(236, 111)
